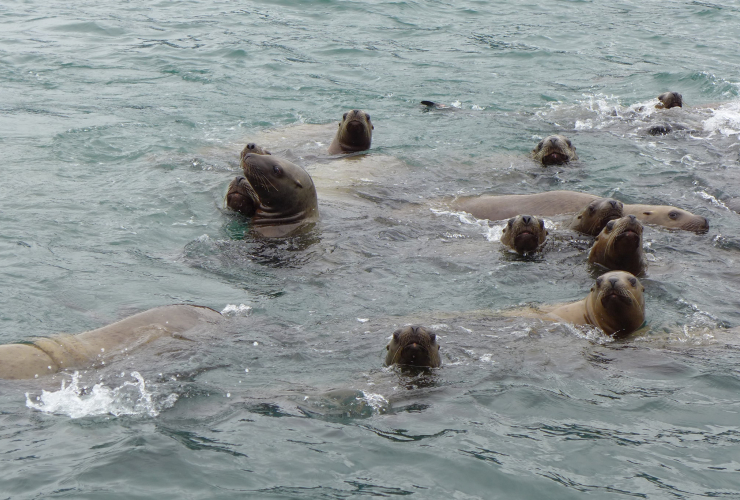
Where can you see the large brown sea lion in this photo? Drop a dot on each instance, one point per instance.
(46, 356)
(413, 346)
(355, 133)
(615, 304)
(554, 150)
(524, 234)
(564, 202)
(619, 246)
(279, 195)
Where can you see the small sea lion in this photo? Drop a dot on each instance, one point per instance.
(669, 100)
(619, 246)
(355, 133)
(501, 207)
(46, 356)
(413, 346)
(615, 304)
(595, 216)
(524, 234)
(279, 195)
(554, 150)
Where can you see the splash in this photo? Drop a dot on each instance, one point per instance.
(725, 120)
(131, 398)
(234, 310)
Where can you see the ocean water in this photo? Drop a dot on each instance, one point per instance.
(121, 126)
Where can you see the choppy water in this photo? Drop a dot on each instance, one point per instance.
(121, 125)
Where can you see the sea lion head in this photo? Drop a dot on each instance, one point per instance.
(619, 246)
(355, 131)
(255, 149)
(413, 346)
(241, 198)
(616, 303)
(622, 235)
(524, 233)
(669, 100)
(674, 218)
(554, 150)
(594, 217)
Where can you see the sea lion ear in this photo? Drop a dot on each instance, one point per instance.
(396, 334)
(388, 347)
(372, 127)
(298, 183)
(432, 337)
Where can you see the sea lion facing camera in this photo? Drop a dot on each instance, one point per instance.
(554, 150)
(413, 346)
(279, 195)
(524, 234)
(615, 304)
(355, 133)
(619, 246)
(46, 356)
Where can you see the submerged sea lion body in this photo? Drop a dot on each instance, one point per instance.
(413, 346)
(615, 304)
(279, 195)
(619, 246)
(46, 356)
(564, 202)
(524, 234)
(355, 133)
(554, 150)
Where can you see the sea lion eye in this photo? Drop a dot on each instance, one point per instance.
(432, 337)
(396, 335)
(344, 116)
(673, 215)
(610, 225)
(367, 117)
(539, 145)
(570, 144)
(599, 281)
(633, 281)
(511, 223)
(542, 224)
(278, 171)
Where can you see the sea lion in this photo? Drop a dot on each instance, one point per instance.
(355, 133)
(413, 346)
(615, 304)
(501, 207)
(669, 100)
(619, 246)
(554, 150)
(595, 216)
(46, 356)
(524, 234)
(279, 195)
(253, 148)
(670, 217)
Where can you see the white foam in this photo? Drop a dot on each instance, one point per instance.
(131, 398)
(725, 120)
(376, 401)
(234, 310)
